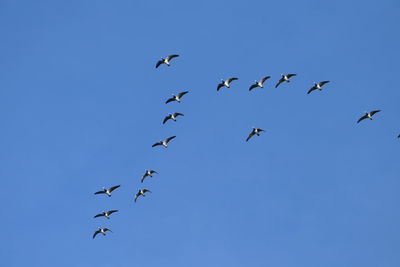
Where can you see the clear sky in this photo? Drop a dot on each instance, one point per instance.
(81, 103)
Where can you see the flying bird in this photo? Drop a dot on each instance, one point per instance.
(148, 173)
(177, 97)
(105, 214)
(259, 83)
(101, 231)
(107, 191)
(317, 86)
(226, 83)
(284, 78)
(164, 143)
(255, 131)
(166, 60)
(172, 116)
(368, 115)
(141, 192)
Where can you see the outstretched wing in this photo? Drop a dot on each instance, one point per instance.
(312, 89)
(279, 82)
(112, 211)
(264, 79)
(159, 63)
(136, 196)
(99, 192)
(99, 215)
(176, 114)
(166, 119)
(323, 82)
(231, 79)
(170, 100)
(250, 136)
(113, 188)
(169, 138)
(362, 118)
(182, 93)
(291, 75)
(220, 85)
(374, 111)
(106, 229)
(95, 233)
(171, 57)
(254, 85)
(146, 190)
(156, 144)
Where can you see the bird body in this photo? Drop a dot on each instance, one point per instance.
(317, 86)
(255, 131)
(164, 143)
(172, 116)
(101, 231)
(259, 83)
(141, 192)
(107, 191)
(105, 214)
(166, 60)
(368, 115)
(226, 83)
(148, 173)
(284, 78)
(177, 97)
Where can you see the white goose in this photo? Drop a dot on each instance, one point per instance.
(368, 115)
(259, 83)
(317, 86)
(172, 116)
(166, 60)
(105, 214)
(255, 131)
(101, 231)
(107, 191)
(148, 173)
(284, 78)
(142, 193)
(226, 83)
(164, 143)
(177, 97)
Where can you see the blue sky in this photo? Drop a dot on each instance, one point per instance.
(81, 103)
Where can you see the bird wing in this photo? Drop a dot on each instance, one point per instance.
(374, 111)
(250, 136)
(260, 130)
(95, 233)
(98, 215)
(362, 118)
(106, 229)
(166, 119)
(169, 138)
(253, 86)
(220, 85)
(176, 114)
(156, 144)
(323, 82)
(159, 63)
(291, 75)
(279, 82)
(113, 188)
(264, 79)
(99, 192)
(136, 196)
(312, 89)
(170, 100)
(171, 57)
(146, 190)
(112, 211)
(182, 93)
(231, 79)
(153, 171)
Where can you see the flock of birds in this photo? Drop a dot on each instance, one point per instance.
(173, 116)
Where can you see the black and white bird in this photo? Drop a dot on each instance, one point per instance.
(259, 83)
(107, 191)
(164, 143)
(105, 214)
(148, 173)
(317, 86)
(284, 78)
(177, 97)
(226, 83)
(101, 231)
(368, 115)
(255, 131)
(166, 60)
(172, 116)
(141, 192)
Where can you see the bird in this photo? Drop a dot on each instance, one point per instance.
(317, 86)
(172, 116)
(101, 231)
(164, 143)
(148, 173)
(255, 131)
(177, 97)
(141, 192)
(259, 83)
(107, 191)
(368, 115)
(284, 78)
(226, 83)
(166, 60)
(105, 214)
